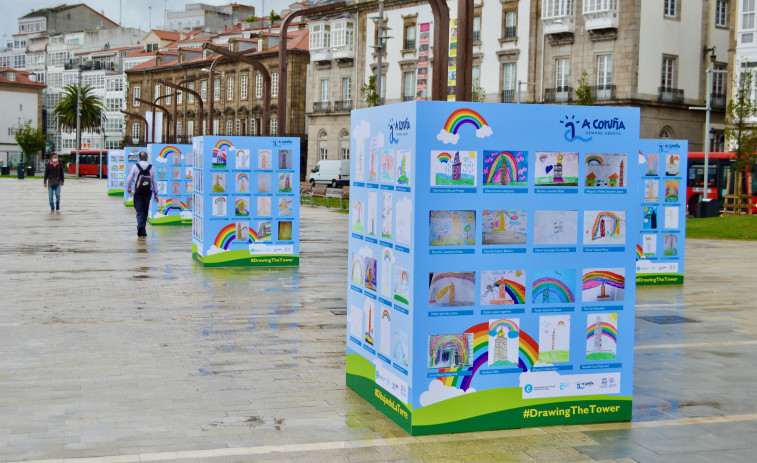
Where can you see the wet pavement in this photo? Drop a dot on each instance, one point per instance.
(114, 349)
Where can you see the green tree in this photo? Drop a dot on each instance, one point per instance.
(92, 109)
(478, 92)
(273, 16)
(30, 140)
(370, 96)
(740, 130)
(583, 91)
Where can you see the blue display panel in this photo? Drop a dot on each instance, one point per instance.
(116, 172)
(131, 153)
(173, 169)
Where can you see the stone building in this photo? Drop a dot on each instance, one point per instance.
(21, 95)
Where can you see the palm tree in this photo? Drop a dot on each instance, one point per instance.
(91, 110)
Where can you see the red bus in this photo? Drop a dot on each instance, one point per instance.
(720, 165)
(89, 162)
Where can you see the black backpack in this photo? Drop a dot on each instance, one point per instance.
(144, 182)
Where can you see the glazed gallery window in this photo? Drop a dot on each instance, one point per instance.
(593, 6)
(243, 87)
(557, 8)
(137, 93)
(604, 71)
(747, 21)
(258, 86)
(230, 89)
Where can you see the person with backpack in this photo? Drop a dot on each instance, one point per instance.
(53, 181)
(142, 183)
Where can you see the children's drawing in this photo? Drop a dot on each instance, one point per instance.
(401, 285)
(554, 338)
(219, 182)
(243, 183)
(505, 168)
(263, 232)
(403, 167)
(285, 207)
(650, 218)
(243, 231)
(285, 183)
(373, 161)
(163, 188)
(355, 321)
(556, 169)
(452, 228)
(386, 216)
(370, 273)
(242, 159)
(264, 183)
(387, 166)
(502, 287)
(453, 168)
(176, 173)
(649, 245)
(404, 213)
(371, 214)
(219, 157)
(671, 191)
(555, 227)
(188, 173)
(671, 218)
(671, 245)
(553, 286)
(652, 165)
(601, 336)
(385, 331)
(606, 170)
(450, 350)
(504, 227)
(357, 216)
(356, 269)
(387, 262)
(264, 206)
(285, 230)
(672, 164)
(360, 159)
(242, 207)
(603, 284)
(219, 207)
(604, 227)
(285, 159)
(452, 289)
(175, 188)
(651, 191)
(369, 322)
(400, 347)
(264, 159)
(504, 340)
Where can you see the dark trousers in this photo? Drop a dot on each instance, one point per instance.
(142, 206)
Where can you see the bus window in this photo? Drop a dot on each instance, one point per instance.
(724, 173)
(696, 176)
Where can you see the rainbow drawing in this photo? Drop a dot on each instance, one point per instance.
(357, 271)
(614, 229)
(671, 191)
(438, 345)
(461, 117)
(468, 277)
(594, 160)
(561, 323)
(444, 157)
(225, 236)
(599, 277)
(168, 150)
(493, 176)
(605, 329)
(385, 315)
(441, 214)
(547, 286)
(515, 290)
(543, 158)
(528, 354)
(506, 325)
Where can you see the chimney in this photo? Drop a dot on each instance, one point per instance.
(233, 45)
(158, 58)
(262, 41)
(182, 55)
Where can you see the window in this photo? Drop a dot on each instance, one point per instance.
(320, 36)
(137, 93)
(190, 128)
(344, 145)
(157, 91)
(408, 85)
(204, 90)
(721, 13)
(274, 125)
(668, 72)
(747, 21)
(593, 6)
(179, 94)
(510, 30)
(323, 150)
(666, 132)
(324, 90)
(562, 74)
(718, 80)
(230, 89)
(410, 37)
(150, 47)
(670, 8)
(135, 130)
(258, 86)
(274, 84)
(178, 128)
(216, 89)
(604, 71)
(238, 128)
(476, 75)
(557, 8)
(341, 34)
(243, 87)
(477, 28)
(252, 126)
(190, 96)
(346, 88)
(114, 125)
(508, 82)
(382, 93)
(229, 124)
(216, 124)
(12, 76)
(113, 104)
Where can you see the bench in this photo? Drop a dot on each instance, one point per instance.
(335, 193)
(345, 195)
(305, 188)
(319, 191)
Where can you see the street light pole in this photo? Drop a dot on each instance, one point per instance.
(78, 121)
(380, 47)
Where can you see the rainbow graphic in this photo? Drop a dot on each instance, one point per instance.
(243, 177)
(551, 286)
(506, 325)
(639, 252)
(612, 230)
(511, 167)
(134, 151)
(172, 205)
(515, 290)
(461, 117)
(253, 236)
(528, 354)
(167, 151)
(594, 160)
(444, 157)
(225, 236)
(598, 277)
(605, 329)
(222, 144)
(543, 158)
(385, 315)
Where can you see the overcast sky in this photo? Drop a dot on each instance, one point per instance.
(133, 13)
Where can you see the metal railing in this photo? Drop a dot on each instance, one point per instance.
(410, 44)
(476, 36)
(321, 106)
(558, 94)
(511, 32)
(508, 96)
(602, 92)
(670, 95)
(717, 100)
(408, 98)
(342, 105)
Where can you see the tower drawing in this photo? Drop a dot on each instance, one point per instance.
(598, 335)
(622, 175)
(604, 294)
(283, 161)
(553, 340)
(456, 167)
(602, 228)
(503, 173)
(500, 347)
(557, 177)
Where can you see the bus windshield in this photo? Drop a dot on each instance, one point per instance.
(696, 176)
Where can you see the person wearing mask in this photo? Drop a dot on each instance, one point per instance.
(142, 183)
(53, 181)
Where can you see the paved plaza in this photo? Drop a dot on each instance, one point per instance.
(119, 349)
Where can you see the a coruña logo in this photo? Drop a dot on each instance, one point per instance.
(582, 130)
(397, 129)
(281, 142)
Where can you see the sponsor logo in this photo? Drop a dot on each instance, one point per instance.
(584, 130)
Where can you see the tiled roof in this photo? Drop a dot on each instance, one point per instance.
(22, 78)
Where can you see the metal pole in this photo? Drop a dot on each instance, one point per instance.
(78, 121)
(100, 167)
(707, 129)
(518, 91)
(380, 48)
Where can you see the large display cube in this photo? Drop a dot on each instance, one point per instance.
(246, 204)
(116, 172)
(173, 169)
(132, 158)
(491, 273)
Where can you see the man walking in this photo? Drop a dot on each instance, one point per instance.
(53, 181)
(142, 183)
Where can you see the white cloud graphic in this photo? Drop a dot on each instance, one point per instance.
(162, 160)
(361, 131)
(214, 250)
(437, 392)
(484, 132)
(447, 137)
(379, 140)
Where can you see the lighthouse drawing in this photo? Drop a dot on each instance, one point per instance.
(456, 167)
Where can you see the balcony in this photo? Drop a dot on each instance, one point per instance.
(602, 92)
(321, 106)
(408, 98)
(561, 24)
(342, 105)
(558, 94)
(670, 95)
(717, 100)
(598, 17)
(344, 52)
(508, 96)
